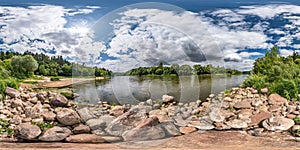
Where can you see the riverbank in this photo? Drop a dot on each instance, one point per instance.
(63, 82)
(238, 116)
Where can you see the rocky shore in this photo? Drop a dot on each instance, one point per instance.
(51, 117)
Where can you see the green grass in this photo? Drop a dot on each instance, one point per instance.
(4, 127)
(54, 78)
(44, 125)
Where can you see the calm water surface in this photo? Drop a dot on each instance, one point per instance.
(132, 89)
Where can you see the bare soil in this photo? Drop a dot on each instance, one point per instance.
(215, 140)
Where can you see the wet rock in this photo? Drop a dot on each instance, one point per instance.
(143, 134)
(276, 99)
(257, 118)
(28, 131)
(117, 111)
(59, 101)
(187, 130)
(170, 128)
(81, 129)
(55, 134)
(167, 98)
(67, 116)
(12, 92)
(85, 138)
(278, 123)
(86, 114)
(237, 124)
(242, 105)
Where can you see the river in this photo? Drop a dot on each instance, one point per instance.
(133, 89)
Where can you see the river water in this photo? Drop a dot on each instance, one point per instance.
(133, 89)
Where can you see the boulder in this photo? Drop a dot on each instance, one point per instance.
(187, 130)
(278, 123)
(27, 131)
(257, 118)
(95, 124)
(86, 114)
(237, 124)
(160, 114)
(49, 116)
(55, 134)
(170, 128)
(67, 116)
(167, 98)
(204, 124)
(12, 92)
(59, 101)
(85, 138)
(276, 99)
(216, 115)
(117, 111)
(81, 129)
(143, 134)
(128, 120)
(152, 121)
(35, 112)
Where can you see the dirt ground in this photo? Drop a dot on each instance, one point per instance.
(214, 140)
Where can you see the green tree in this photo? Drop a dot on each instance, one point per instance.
(23, 66)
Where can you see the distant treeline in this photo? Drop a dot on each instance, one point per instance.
(42, 64)
(177, 70)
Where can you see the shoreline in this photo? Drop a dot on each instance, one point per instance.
(64, 82)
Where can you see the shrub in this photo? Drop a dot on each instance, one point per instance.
(54, 78)
(4, 127)
(9, 82)
(256, 81)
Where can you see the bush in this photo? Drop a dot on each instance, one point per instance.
(10, 82)
(256, 81)
(54, 78)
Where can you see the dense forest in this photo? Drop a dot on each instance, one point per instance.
(16, 66)
(279, 74)
(177, 70)
(26, 64)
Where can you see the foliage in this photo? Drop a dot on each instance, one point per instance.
(23, 66)
(182, 70)
(280, 74)
(54, 79)
(47, 66)
(8, 82)
(44, 125)
(4, 127)
(296, 120)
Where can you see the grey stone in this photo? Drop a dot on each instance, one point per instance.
(127, 121)
(170, 128)
(28, 131)
(59, 101)
(278, 123)
(112, 139)
(81, 129)
(86, 114)
(67, 116)
(143, 134)
(12, 92)
(55, 134)
(85, 138)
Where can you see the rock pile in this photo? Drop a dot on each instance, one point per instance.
(49, 116)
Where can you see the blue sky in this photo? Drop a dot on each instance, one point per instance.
(120, 35)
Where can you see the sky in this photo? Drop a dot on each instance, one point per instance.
(121, 35)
